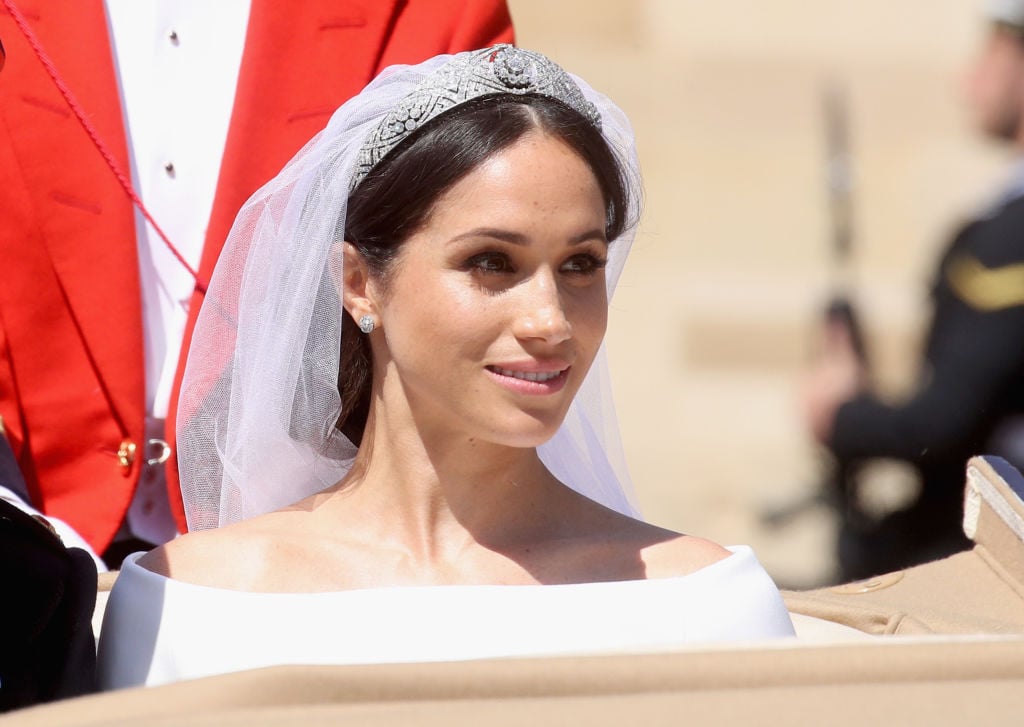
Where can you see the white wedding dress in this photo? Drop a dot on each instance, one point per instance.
(158, 630)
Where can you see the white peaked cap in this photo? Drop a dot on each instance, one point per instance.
(1008, 12)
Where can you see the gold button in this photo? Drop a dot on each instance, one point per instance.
(869, 584)
(126, 454)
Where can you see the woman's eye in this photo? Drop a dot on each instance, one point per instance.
(585, 264)
(490, 262)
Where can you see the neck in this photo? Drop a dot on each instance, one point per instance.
(433, 493)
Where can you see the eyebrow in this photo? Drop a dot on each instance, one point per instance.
(516, 238)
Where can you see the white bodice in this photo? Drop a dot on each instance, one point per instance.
(158, 630)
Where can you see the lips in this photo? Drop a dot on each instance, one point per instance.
(539, 376)
(532, 379)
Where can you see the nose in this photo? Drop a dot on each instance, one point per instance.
(542, 314)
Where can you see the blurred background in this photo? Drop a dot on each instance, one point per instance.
(716, 312)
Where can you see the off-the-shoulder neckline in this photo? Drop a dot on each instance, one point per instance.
(739, 554)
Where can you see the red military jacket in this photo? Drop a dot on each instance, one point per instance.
(72, 389)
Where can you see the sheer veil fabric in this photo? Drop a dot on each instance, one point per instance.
(260, 396)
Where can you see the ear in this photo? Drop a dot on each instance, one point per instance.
(356, 287)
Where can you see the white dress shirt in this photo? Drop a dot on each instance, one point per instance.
(177, 63)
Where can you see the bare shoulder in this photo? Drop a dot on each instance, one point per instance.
(663, 553)
(230, 557)
(681, 555)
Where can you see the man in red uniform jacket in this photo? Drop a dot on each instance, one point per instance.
(72, 376)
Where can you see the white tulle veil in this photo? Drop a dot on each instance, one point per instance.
(260, 397)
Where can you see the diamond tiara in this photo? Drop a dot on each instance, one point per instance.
(502, 69)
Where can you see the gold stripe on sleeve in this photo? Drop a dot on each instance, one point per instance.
(983, 288)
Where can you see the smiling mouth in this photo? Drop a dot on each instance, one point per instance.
(538, 376)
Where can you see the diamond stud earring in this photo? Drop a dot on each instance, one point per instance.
(367, 324)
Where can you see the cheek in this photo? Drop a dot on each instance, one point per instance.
(1001, 85)
(588, 314)
(434, 317)
(589, 308)
(473, 313)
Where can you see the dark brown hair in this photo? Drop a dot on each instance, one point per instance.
(396, 197)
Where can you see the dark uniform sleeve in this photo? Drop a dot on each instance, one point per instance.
(973, 373)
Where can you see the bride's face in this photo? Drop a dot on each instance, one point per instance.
(496, 307)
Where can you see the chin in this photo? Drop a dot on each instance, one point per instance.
(528, 432)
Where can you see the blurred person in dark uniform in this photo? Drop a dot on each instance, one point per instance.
(970, 386)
